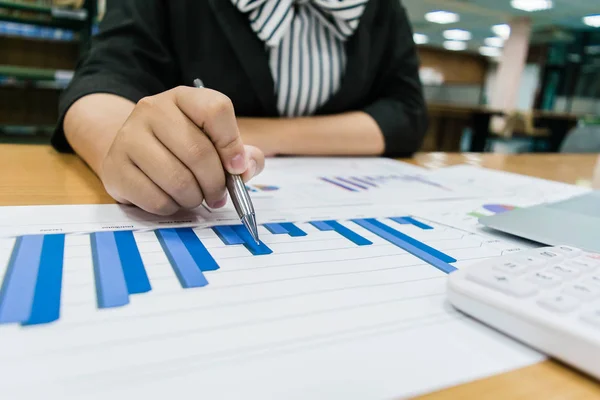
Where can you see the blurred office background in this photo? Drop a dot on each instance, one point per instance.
(498, 75)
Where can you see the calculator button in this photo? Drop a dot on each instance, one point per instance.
(568, 251)
(583, 263)
(592, 318)
(545, 279)
(547, 253)
(559, 303)
(502, 282)
(511, 267)
(582, 291)
(531, 261)
(565, 271)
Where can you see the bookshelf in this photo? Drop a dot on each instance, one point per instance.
(41, 41)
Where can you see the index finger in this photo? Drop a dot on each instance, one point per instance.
(214, 114)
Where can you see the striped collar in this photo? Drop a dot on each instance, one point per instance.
(271, 19)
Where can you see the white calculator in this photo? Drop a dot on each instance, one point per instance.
(548, 298)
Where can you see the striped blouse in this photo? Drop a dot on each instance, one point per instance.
(305, 42)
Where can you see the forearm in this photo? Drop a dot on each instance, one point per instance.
(92, 123)
(353, 133)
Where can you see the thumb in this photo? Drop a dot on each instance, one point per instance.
(256, 162)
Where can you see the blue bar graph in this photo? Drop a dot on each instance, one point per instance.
(46, 300)
(364, 181)
(350, 183)
(322, 226)
(227, 235)
(256, 249)
(338, 184)
(111, 288)
(276, 229)
(182, 262)
(199, 253)
(342, 230)
(285, 228)
(293, 230)
(31, 291)
(131, 261)
(18, 288)
(416, 223)
(428, 254)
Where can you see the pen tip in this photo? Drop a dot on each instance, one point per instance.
(249, 222)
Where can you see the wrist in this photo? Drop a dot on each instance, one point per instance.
(286, 134)
(265, 133)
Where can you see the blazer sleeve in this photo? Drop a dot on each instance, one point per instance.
(130, 57)
(399, 107)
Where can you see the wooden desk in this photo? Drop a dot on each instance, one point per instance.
(33, 175)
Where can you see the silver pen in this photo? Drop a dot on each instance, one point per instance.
(239, 195)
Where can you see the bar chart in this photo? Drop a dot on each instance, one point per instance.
(370, 183)
(31, 289)
(135, 310)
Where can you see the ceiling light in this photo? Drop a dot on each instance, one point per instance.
(419, 38)
(494, 42)
(592, 20)
(457, 34)
(455, 45)
(502, 31)
(442, 17)
(490, 51)
(532, 5)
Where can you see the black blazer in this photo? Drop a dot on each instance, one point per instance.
(148, 46)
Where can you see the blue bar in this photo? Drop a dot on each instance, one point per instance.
(293, 230)
(111, 288)
(131, 261)
(338, 184)
(346, 181)
(276, 229)
(18, 288)
(349, 234)
(400, 220)
(46, 300)
(322, 226)
(428, 254)
(227, 235)
(182, 262)
(416, 223)
(256, 249)
(199, 253)
(364, 181)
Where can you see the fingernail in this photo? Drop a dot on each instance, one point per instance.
(220, 203)
(238, 163)
(252, 168)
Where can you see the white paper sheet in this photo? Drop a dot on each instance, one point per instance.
(320, 318)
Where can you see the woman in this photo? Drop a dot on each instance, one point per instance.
(306, 77)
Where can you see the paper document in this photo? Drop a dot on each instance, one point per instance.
(293, 189)
(505, 192)
(346, 302)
